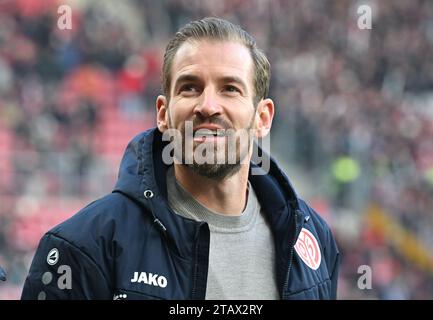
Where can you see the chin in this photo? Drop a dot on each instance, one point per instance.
(215, 171)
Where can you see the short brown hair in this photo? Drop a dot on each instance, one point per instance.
(218, 29)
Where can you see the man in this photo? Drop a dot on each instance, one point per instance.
(195, 229)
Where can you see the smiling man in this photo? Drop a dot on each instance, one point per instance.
(212, 86)
(211, 225)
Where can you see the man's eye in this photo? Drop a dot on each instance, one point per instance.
(188, 88)
(231, 89)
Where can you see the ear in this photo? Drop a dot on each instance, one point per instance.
(161, 113)
(264, 116)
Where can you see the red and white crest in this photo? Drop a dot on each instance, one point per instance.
(308, 249)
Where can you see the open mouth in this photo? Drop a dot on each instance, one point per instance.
(205, 133)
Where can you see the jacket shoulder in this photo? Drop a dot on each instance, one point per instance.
(87, 244)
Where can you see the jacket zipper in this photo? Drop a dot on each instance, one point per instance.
(292, 248)
(195, 277)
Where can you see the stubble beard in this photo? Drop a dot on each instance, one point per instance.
(215, 170)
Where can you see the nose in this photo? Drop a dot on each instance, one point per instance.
(208, 104)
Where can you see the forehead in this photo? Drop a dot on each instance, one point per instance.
(212, 57)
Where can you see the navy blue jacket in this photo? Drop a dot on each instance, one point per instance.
(130, 245)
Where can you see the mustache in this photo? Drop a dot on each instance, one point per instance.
(215, 120)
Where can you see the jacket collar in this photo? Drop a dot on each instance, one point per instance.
(142, 169)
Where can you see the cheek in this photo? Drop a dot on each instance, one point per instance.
(244, 119)
(177, 116)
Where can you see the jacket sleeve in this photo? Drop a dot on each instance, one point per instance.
(61, 270)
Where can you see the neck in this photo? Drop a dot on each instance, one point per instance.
(227, 196)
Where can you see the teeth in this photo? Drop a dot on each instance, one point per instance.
(211, 133)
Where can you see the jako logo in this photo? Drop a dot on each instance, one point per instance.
(53, 256)
(151, 279)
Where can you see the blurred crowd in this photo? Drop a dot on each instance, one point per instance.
(354, 117)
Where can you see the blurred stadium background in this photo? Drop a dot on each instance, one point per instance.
(353, 130)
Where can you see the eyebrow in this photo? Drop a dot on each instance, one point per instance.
(185, 78)
(234, 79)
(225, 79)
